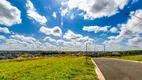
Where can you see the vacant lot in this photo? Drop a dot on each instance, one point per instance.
(58, 68)
(134, 58)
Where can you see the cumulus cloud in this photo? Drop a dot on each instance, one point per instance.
(135, 42)
(23, 38)
(53, 41)
(16, 44)
(94, 8)
(9, 15)
(2, 37)
(132, 22)
(4, 30)
(49, 39)
(33, 14)
(113, 30)
(21, 42)
(54, 15)
(130, 29)
(69, 35)
(70, 41)
(55, 31)
(95, 29)
(67, 44)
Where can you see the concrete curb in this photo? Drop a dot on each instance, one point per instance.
(98, 71)
(124, 60)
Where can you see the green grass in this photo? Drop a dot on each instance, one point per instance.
(133, 58)
(57, 68)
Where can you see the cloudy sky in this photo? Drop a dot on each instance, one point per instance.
(70, 24)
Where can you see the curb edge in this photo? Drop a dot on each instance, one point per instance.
(98, 71)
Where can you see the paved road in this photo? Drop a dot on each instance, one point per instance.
(119, 70)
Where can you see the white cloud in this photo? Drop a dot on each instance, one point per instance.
(94, 8)
(113, 30)
(131, 23)
(54, 15)
(73, 44)
(56, 31)
(23, 38)
(2, 37)
(129, 29)
(72, 16)
(49, 39)
(4, 30)
(16, 44)
(32, 13)
(135, 42)
(9, 15)
(69, 35)
(54, 41)
(95, 29)
(134, 1)
(67, 44)
(21, 42)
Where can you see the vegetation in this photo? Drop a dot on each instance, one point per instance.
(118, 53)
(131, 52)
(52, 68)
(134, 58)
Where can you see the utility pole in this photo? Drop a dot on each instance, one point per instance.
(104, 48)
(10, 48)
(86, 52)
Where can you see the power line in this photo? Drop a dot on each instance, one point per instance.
(133, 15)
(132, 27)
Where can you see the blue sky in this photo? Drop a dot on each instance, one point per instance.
(70, 24)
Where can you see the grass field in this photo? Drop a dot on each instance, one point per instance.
(56, 68)
(134, 58)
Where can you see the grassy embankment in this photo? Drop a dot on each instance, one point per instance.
(56, 68)
(133, 58)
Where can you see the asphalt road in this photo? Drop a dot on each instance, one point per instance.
(119, 70)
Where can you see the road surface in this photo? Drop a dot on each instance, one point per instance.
(118, 69)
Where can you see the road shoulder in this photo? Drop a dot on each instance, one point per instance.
(124, 60)
(98, 71)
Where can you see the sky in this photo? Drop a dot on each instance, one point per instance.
(70, 25)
